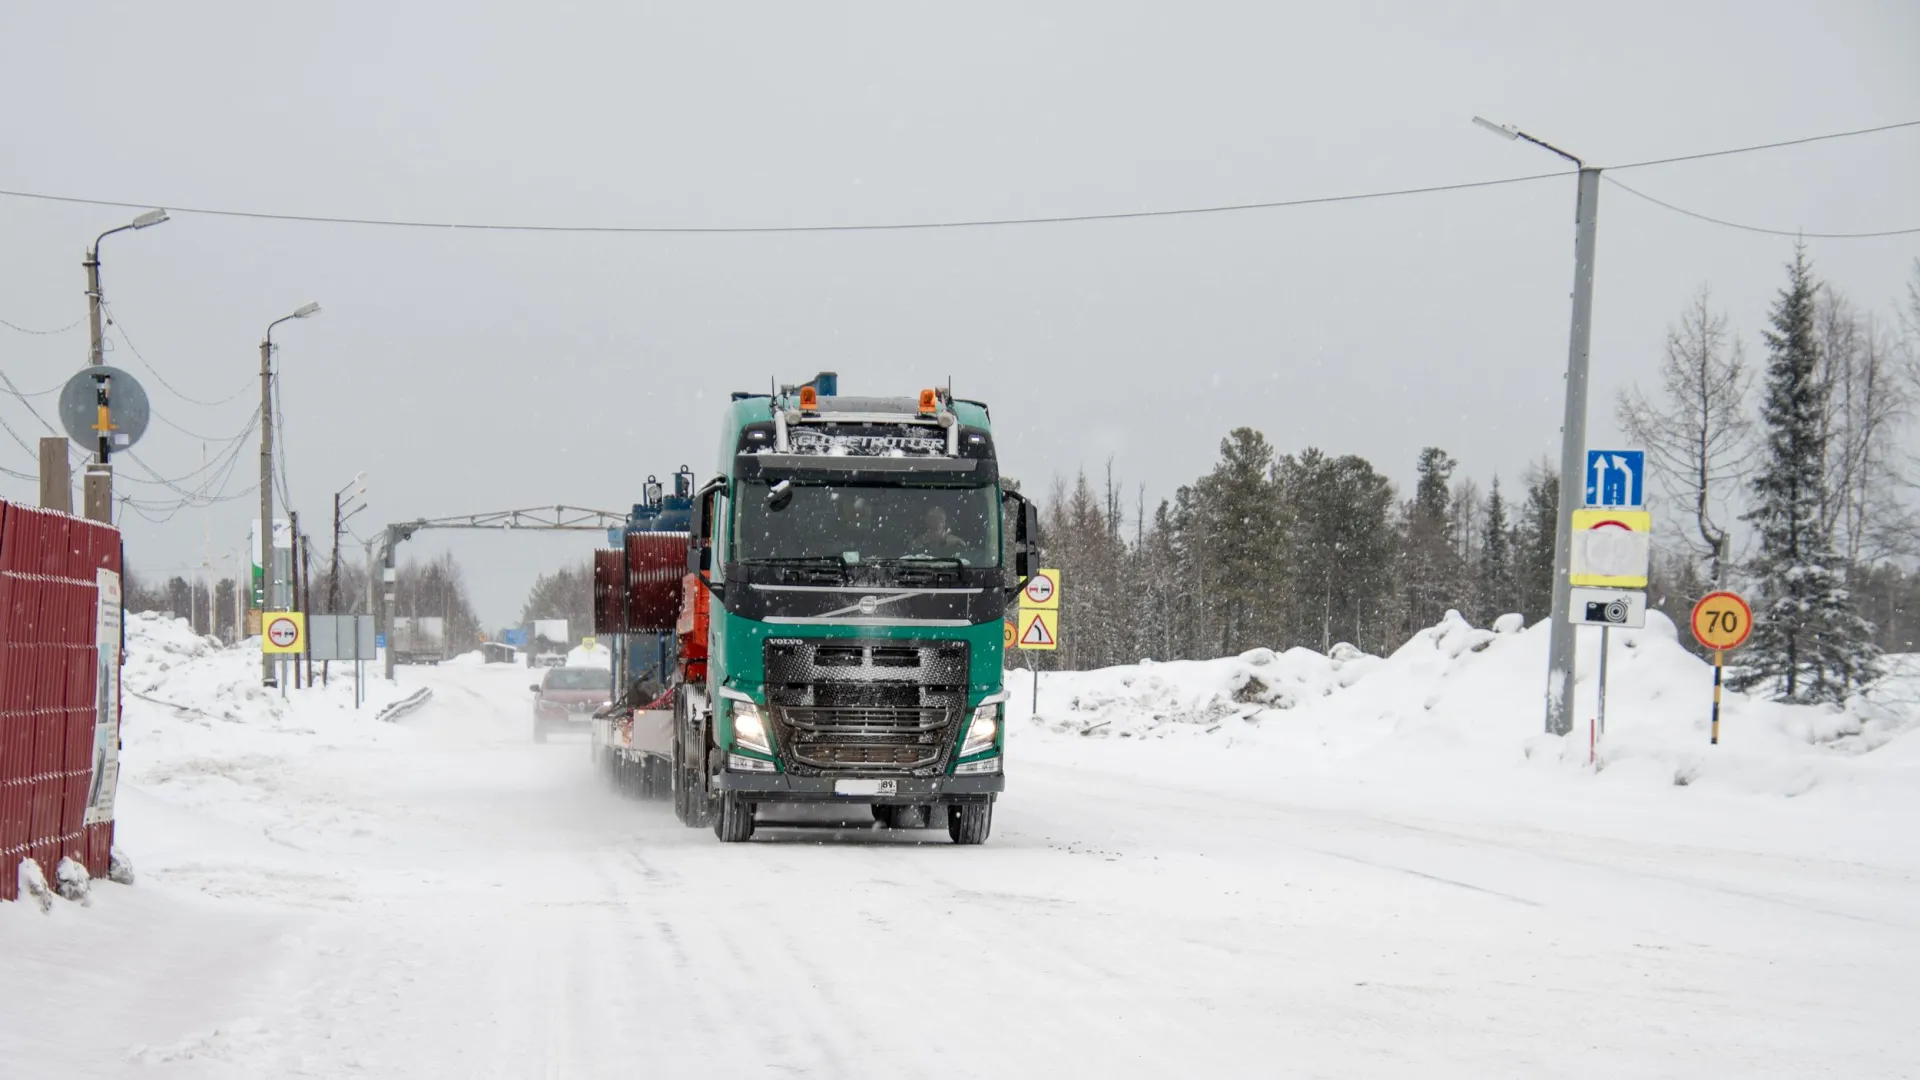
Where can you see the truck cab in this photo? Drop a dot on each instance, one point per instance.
(858, 554)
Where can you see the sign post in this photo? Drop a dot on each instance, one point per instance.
(1721, 622)
(1038, 624)
(1612, 545)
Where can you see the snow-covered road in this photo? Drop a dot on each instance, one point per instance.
(449, 899)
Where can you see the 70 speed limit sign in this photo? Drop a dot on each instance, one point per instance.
(1721, 621)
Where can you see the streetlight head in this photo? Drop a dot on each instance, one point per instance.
(151, 217)
(1501, 130)
(305, 310)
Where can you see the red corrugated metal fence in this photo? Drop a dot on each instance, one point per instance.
(49, 597)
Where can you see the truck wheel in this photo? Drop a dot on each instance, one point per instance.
(969, 823)
(734, 823)
(539, 731)
(692, 803)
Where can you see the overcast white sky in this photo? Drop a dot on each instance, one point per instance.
(469, 371)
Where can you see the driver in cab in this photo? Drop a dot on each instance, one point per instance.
(937, 537)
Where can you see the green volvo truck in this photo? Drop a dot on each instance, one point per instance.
(851, 564)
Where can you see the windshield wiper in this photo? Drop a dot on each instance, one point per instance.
(824, 562)
(923, 560)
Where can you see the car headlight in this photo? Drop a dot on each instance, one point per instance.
(981, 729)
(749, 730)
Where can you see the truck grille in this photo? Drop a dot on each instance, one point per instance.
(865, 706)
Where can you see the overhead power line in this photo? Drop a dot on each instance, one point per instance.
(43, 333)
(899, 226)
(1757, 228)
(1054, 219)
(113, 318)
(15, 391)
(1761, 146)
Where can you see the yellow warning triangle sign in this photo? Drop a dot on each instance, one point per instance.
(1039, 632)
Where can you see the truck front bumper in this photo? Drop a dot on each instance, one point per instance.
(784, 787)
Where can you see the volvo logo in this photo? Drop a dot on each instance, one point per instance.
(869, 605)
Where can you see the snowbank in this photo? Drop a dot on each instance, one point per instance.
(198, 729)
(1469, 700)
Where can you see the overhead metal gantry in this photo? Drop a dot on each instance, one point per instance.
(534, 518)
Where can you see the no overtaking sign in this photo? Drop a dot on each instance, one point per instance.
(285, 632)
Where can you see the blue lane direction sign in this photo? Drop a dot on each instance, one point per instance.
(1617, 478)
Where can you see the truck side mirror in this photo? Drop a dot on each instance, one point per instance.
(700, 529)
(535, 688)
(1026, 539)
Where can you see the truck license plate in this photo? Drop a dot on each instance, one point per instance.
(866, 787)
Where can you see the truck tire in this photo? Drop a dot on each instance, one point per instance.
(692, 801)
(969, 823)
(734, 823)
(539, 731)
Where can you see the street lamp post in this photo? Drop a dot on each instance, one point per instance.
(96, 353)
(1573, 432)
(97, 484)
(266, 476)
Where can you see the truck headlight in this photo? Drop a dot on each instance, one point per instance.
(981, 729)
(749, 730)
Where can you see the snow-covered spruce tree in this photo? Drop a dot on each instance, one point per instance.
(1238, 518)
(1430, 567)
(1495, 569)
(1808, 644)
(1533, 543)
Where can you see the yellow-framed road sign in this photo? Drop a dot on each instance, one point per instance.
(1039, 629)
(1042, 590)
(283, 632)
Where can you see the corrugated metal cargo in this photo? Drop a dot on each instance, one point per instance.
(655, 564)
(609, 591)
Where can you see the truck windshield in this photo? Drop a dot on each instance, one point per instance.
(873, 523)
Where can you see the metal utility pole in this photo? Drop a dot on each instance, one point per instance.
(266, 475)
(1573, 452)
(333, 564)
(293, 577)
(358, 488)
(1573, 432)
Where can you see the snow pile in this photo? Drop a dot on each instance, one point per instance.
(198, 730)
(168, 664)
(1471, 699)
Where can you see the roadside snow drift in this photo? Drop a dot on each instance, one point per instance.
(1464, 700)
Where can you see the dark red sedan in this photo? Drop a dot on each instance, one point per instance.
(565, 699)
